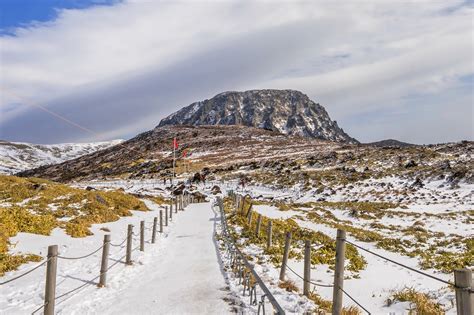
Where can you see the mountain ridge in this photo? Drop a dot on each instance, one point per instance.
(287, 111)
(20, 156)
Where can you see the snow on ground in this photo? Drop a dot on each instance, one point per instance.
(192, 232)
(273, 212)
(183, 277)
(183, 273)
(378, 279)
(27, 293)
(291, 302)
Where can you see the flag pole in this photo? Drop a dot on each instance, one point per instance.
(174, 160)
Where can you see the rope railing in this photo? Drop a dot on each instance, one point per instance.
(401, 265)
(90, 282)
(354, 300)
(50, 297)
(38, 309)
(463, 277)
(25, 273)
(309, 281)
(81, 257)
(232, 245)
(119, 245)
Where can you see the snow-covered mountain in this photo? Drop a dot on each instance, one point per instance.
(287, 111)
(19, 156)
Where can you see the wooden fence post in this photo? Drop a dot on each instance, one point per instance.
(171, 204)
(307, 267)
(259, 223)
(50, 288)
(285, 256)
(339, 273)
(128, 259)
(161, 221)
(153, 233)
(166, 215)
(171, 214)
(142, 236)
(105, 261)
(176, 204)
(269, 233)
(249, 216)
(464, 298)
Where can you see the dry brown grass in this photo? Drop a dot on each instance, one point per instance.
(421, 303)
(288, 285)
(37, 206)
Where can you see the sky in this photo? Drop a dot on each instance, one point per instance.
(90, 70)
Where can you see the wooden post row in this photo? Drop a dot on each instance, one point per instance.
(249, 215)
(153, 233)
(269, 233)
(161, 221)
(166, 215)
(105, 261)
(128, 259)
(464, 295)
(50, 289)
(142, 236)
(307, 268)
(259, 223)
(339, 273)
(285, 256)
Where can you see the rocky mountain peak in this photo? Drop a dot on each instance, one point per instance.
(287, 111)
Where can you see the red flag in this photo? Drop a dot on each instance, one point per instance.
(175, 143)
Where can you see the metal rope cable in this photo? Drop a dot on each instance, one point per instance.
(402, 265)
(81, 257)
(24, 274)
(118, 245)
(350, 297)
(311, 282)
(39, 308)
(89, 281)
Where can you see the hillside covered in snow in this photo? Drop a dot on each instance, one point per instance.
(409, 204)
(20, 156)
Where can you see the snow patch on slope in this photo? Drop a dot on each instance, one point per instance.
(19, 156)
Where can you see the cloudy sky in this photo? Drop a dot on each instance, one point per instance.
(382, 69)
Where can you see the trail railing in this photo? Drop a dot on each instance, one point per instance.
(240, 263)
(463, 278)
(51, 261)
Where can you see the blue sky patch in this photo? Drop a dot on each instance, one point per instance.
(17, 13)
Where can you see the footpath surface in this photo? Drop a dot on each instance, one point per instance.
(182, 276)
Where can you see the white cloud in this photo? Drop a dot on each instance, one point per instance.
(119, 69)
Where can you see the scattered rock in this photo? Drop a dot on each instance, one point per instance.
(417, 183)
(216, 190)
(100, 200)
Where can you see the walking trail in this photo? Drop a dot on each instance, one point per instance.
(182, 277)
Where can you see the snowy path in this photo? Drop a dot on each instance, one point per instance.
(183, 278)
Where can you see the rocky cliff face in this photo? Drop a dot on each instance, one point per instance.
(286, 111)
